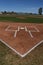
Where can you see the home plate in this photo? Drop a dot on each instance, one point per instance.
(22, 38)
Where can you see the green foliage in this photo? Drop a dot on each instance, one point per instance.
(40, 11)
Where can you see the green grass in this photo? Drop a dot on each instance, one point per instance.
(25, 20)
(13, 19)
(7, 57)
(34, 20)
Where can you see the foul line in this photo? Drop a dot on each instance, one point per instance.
(18, 52)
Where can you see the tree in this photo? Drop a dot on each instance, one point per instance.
(5, 12)
(40, 11)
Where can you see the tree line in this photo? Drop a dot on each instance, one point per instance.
(40, 10)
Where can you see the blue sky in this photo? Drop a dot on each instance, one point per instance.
(21, 5)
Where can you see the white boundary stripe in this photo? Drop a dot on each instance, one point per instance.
(37, 29)
(25, 28)
(22, 28)
(18, 52)
(7, 28)
(33, 48)
(18, 28)
(11, 47)
(30, 34)
(15, 33)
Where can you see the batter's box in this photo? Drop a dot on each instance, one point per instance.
(33, 29)
(10, 28)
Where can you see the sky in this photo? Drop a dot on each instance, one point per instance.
(30, 6)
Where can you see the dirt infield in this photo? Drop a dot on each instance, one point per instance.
(21, 37)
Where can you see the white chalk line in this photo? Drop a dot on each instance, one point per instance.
(30, 31)
(22, 55)
(30, 34)
(10, 47)
(15, 33)
(7, 29)
(37, 29)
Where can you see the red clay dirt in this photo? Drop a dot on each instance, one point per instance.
(23, 42)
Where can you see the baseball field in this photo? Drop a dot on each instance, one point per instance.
(21, 39)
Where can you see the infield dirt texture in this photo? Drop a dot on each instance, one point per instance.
(22, 38)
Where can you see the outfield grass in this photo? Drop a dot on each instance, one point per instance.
(25, 20)
(7, 57)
